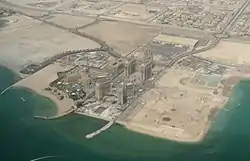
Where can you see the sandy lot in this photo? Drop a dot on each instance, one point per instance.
(123, 37)
(174, 110)
(69, 21)
(231, 53)
(47, 75)
(17, 21)
(36, 42)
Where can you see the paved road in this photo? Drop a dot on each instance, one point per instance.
(113, 53)
(235, 17)
(74, 31)
(15, 6)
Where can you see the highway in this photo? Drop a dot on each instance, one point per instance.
(15, 6)
(105, 46)
(74, 31)
(170, 64)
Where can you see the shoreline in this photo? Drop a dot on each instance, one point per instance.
(136, 129)
(195, 139)
(186, 126)
(130, 126)
(34, 83)
(13, 71)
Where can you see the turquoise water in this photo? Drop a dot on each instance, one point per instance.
(23, 138)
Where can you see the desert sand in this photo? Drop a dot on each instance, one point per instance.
(69, 21)
(230, 53)
(26, 40)
(176, 110)
(122, 36)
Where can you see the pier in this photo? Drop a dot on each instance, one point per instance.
(54, 117)
(5, 90)
(104, 128)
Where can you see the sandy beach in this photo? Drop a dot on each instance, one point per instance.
(40, 80)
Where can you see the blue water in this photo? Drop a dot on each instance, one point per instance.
(23, 138)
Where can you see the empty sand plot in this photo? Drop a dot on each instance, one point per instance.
(69, 21)
(231, 53)
(123, 37)
(175, 111)
(36, 43)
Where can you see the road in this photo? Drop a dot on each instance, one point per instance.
(113, 53)
(235, 17)
(15, 6)
(74, 31)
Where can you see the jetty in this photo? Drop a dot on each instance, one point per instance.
(5, 90)
(54, 117)
(104, 128)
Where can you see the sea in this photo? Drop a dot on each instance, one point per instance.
(24, 138)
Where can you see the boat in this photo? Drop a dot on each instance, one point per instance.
(238, 105)
(23, 99)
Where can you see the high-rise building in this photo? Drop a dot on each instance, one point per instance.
(146, 70)
(147, 66)
(130, 87)
(101, 89)
(122, 94)
(147, 55)
(130, 67)
(98, 91)
(117, 66)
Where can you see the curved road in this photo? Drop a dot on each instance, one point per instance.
(74, 31)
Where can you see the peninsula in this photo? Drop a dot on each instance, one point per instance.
(162, 68)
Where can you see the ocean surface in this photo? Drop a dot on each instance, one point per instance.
(23, 138)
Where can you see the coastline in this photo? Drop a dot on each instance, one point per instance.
(25, 84)
(17, 75)
(145, 130)
(204, 132)
(148, 119)
(63, 106)
(40, 80)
